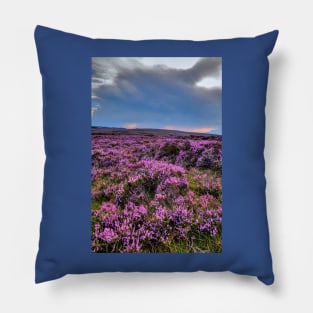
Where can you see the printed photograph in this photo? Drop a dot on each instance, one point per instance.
(156, 155)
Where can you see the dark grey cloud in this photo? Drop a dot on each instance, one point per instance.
(203, 68)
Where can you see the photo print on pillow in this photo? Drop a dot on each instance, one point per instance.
(156, 153)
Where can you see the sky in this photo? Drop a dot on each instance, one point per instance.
(181, 93)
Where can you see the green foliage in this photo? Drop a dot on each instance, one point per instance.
(186, 146)
(169, 149)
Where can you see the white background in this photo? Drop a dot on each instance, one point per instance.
(288, 156)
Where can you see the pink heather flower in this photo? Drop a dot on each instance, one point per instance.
(160, 213)
(213, 232)
(190, 193)
(204, 200)
(182, 211)
(107, 235)
(180, 200)
(134, 179)
(159, 196)
(142, 210)
(154, 203)
(107, 206)
(171, 181)
(205, 226)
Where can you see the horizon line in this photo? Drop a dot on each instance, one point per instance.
(163, 129)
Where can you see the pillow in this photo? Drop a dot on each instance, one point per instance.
(154, 155)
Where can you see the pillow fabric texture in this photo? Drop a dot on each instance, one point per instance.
(95, 92)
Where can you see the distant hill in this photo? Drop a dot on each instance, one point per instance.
(97, 130)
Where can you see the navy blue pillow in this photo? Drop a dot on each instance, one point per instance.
(154, 155)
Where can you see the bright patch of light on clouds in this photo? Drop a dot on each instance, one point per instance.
(209, 82)
(178, 63)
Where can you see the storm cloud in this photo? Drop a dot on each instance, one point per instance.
(172, 93)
